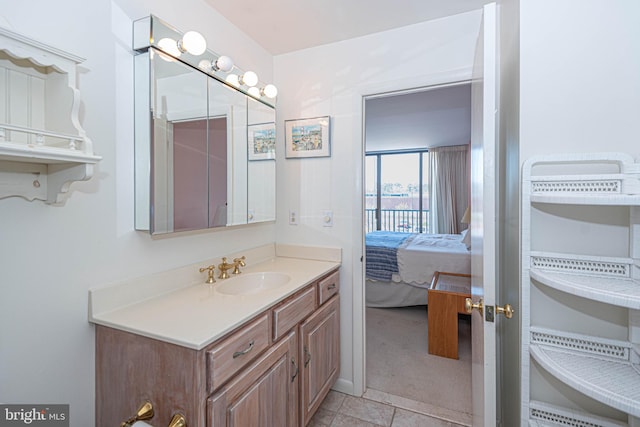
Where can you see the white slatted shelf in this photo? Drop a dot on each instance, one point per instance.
(605, 279)
(622, 189)
(544, 414)
(596, 367)
(580, 199)
(623, 292)
(605, 370)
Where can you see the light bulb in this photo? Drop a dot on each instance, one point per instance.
(249, 78)
(223, 63)
(205, 65)
(192, 42)
(270, 91)
(170, 46)
(233, 80)
(254, 91)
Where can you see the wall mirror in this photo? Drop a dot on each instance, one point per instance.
(204, 149)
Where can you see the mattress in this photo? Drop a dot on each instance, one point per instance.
(417, 258)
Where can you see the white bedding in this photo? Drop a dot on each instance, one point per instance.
(421, 255)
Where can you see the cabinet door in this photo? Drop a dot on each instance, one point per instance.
(263, 395)
(319, 355)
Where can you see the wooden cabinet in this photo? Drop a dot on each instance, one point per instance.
(320, 356)
(265, 394)
(272, 371)
(581, 290)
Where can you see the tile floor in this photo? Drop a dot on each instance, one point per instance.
(341, 410)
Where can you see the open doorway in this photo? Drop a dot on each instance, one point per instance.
(400, 128)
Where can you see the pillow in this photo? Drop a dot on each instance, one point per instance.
(466, 238)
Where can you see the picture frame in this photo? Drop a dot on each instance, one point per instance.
(261, 141)
(307, 137)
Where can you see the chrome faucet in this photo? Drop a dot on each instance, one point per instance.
(223, 269)
(237, 263)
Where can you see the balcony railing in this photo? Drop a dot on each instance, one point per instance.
(403, 220)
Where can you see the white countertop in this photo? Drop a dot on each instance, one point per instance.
(196, 315)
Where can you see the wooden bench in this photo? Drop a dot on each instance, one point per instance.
(447, 294)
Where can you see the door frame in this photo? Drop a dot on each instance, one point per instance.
(454, 77)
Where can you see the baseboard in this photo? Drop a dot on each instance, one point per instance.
(343, 386)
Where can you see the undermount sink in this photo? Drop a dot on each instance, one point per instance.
(252, 283)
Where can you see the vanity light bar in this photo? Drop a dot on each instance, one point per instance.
(189, 47)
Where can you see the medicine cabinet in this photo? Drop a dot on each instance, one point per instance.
(195, 141)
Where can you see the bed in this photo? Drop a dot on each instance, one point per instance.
(400, 266)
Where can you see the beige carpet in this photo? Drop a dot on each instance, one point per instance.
(398, 361)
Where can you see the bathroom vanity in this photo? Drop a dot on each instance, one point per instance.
(259, 348)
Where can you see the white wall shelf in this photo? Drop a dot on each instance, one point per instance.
(609, 281)
(568, 199)
(601, 368)
(43, 148)
(547, 415)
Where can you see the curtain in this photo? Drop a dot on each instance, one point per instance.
(448, 188)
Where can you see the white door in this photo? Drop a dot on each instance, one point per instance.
(483, 222)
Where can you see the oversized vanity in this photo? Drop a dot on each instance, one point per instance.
(251, 338)
(258, 348)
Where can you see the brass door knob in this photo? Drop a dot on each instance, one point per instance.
(507, 310)
(469, 305)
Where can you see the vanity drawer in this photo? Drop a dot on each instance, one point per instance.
(293, 311)
(328, 287)
(235, 352)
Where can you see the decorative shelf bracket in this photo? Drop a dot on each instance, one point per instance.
(43, 147)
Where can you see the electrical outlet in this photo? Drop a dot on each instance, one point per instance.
(293, 217)
(327, 218)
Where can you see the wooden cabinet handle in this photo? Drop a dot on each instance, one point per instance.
(331, 287)
(295, 373)
(307, 356)
(245, 351)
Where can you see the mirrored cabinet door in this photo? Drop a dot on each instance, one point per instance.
(261, 173)
(228, 155)
(179, 166)
(205, 152)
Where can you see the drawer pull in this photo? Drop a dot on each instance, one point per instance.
(295, 373)
(331, 287)
(307, 356)
(245, 351)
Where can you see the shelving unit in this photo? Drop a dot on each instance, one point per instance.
(570, 281)
(43, 148)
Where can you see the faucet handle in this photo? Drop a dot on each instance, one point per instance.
(210, 269)
(237, 263)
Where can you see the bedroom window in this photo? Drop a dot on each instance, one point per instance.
(397, 186)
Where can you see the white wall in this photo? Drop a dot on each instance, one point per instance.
(331, 80)
(50, 256)
(580, 89)
(423, 119)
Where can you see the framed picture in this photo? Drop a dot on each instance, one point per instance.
(307, 137)
(262, 141)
